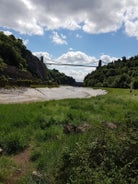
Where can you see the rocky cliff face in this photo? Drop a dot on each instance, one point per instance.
(36, 67)
(18, 62)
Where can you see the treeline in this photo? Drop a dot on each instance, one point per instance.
(122, 73)
(61, 78)
(18, 66)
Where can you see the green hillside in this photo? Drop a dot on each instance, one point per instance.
(18, 66)
(118, 74)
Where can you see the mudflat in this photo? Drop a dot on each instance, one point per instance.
(20, 95)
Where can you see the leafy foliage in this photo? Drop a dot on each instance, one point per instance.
(106, 159)
(61, 78)
(119, 74)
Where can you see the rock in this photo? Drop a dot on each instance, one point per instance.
(69, 128)
(1, 150)
(83, 128)
(19, 171)
(37, 174)
(110, 125)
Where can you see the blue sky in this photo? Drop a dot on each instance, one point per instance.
(80, 32)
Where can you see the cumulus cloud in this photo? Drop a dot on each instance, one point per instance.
(37, 16)
(59, 39)
(8, 33)
(74, 58)
(46, 55)
(25, 41)
(131, 28)
(131, 21)
(107, 59)
(76, 72)
(16, 15)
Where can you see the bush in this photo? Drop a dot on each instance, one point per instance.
(35, 156)
(3, 81)
(136, 83)
(104, 160)
(34, 180)
(14, 142)
(24, 82)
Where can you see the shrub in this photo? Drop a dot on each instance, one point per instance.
(104, 160)
(14, 142)
(35, 155)
(34, 180)
(24, 82)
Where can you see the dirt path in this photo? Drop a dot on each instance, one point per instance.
(20, 95)
(22, 161)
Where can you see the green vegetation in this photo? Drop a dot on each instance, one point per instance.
(7, 167)
(102, 155)
(19, 67)
(118, 74)
(61, 78)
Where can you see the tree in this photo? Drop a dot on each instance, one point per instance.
(124, 59)
(119, 73)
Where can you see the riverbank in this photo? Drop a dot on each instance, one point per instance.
(20, 95)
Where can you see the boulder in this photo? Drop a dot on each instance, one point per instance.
(110, 125)
(1, 150)
(69, 128)
(83, 128)
(37, 174)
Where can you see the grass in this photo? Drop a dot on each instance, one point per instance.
(7, 167)
(41, 126)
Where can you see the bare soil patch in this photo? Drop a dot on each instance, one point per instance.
(24, 166)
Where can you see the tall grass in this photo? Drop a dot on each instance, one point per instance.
(41, 125)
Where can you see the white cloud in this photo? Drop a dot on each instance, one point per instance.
(132, 28)
(63, 36)
(131, 21)
(16, 15)
(25, 41)
(71, 49)
(76, 57)
(59, 39)
(8, 33)
(29, 4)
(107, 59)
(78, 73)
(36, 16)
(78, 36)
(46, 55)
